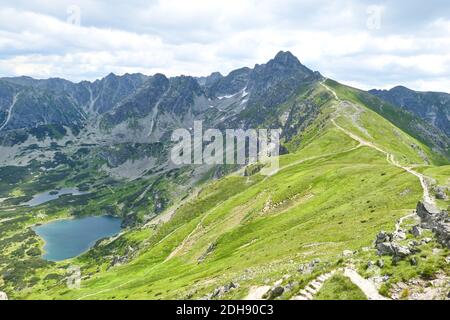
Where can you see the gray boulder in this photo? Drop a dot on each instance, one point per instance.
(441, 193)
(380, 263)
(392, 249)
(426, 211)
(399, 235)
(210, 249)
(385, 249)
(416, 231)
(383, 237)
(220, 291)
(436, 220)
(401, 251)
(308, 268)
(442, 231)
(275, 292)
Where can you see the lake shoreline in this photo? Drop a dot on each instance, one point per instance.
(51, 195)
(61, 243)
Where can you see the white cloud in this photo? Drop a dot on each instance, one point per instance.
(197, 37)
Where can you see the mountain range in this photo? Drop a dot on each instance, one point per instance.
(353, 164)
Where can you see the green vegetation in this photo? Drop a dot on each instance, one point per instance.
(396, 134)
(331, 194)
(339, 287)
(317, 209)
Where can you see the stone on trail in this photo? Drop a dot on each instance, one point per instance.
(416, 231)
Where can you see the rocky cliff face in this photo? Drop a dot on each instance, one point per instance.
(436, 220)
(115, 99)
(410, 120)
(55, 115)
(434, 107)
(61, 102)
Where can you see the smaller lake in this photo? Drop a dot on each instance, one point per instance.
(69, 238)
(44, 197)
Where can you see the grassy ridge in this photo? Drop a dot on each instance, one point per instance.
(390, 126)
(318, 209)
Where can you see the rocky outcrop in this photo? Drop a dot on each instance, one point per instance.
(118, 260)
(436, 220)
(393, 249)
(210, 249)
(386, 245)
(416, 231)
(442, 231)
(383, 236)
(427, 213)
(219, 292)
(309, 268)
(275, 292)
(279, 289)
(440, 192)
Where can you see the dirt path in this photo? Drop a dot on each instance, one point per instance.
(257, 293)
(390, 157)
(366, 286)
(104, 291)
(187, 240)
(313, 287)
(400, 221)
(330, 90)
(167, 215)
(317, 157)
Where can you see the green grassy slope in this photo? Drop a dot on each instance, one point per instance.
(330, 195)
(407, 123)
(340, 287)
(320, 209)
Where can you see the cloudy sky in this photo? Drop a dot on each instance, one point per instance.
(367, 44)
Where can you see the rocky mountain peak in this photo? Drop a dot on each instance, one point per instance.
(400, 88)
(286, 58)
(111, 75)
(215, 75)
(283, 65)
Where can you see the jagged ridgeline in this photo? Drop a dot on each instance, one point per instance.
(352, 163)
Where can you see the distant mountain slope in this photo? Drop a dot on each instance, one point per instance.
(410, 122)
(433, 107)
(99, 96)
(28, 107)
(136, 108)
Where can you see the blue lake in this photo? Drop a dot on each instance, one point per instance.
(52, 195)
(69, 238)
